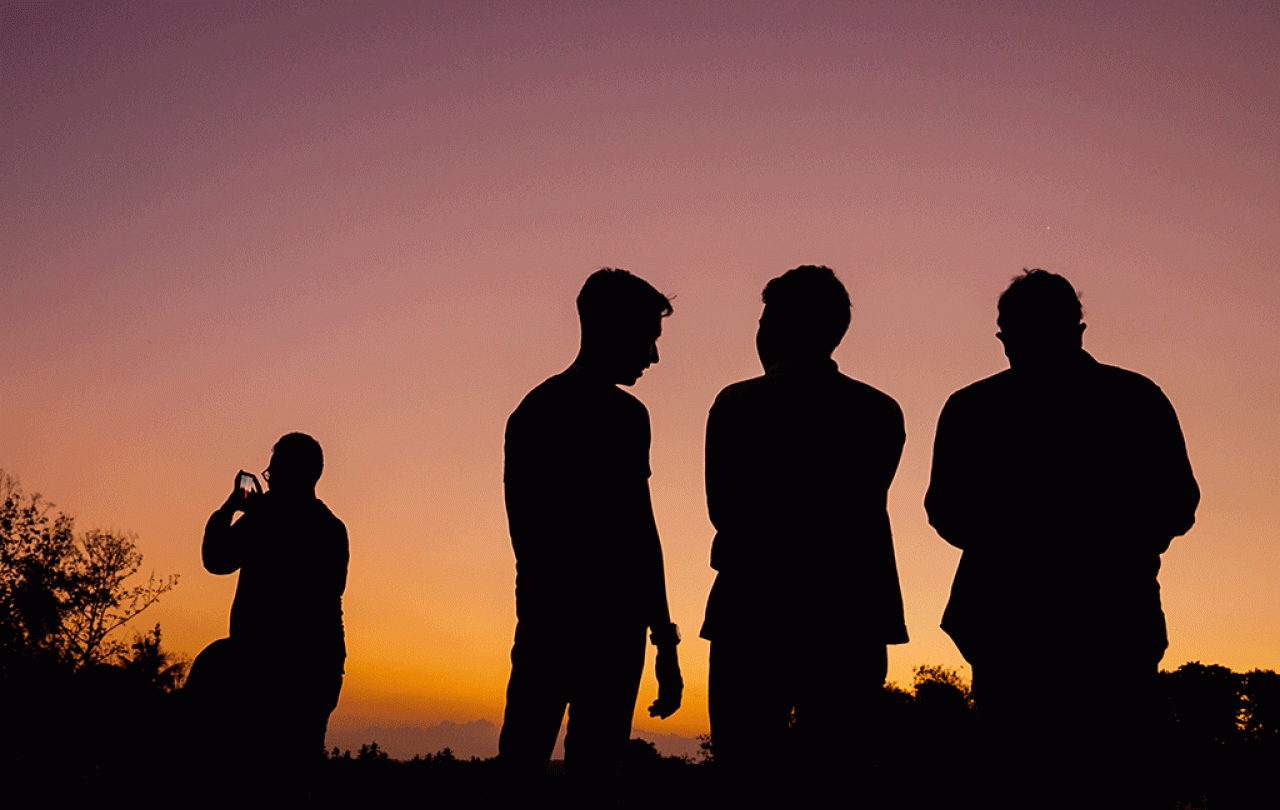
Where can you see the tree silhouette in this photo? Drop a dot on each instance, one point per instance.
(78, 701)
(1221, 739)
(148, 664)
(943, 687)
(1260, 715)
(63, 595)
(1205, 704)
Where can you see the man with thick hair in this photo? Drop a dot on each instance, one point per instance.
(1063, 480)
(589, 569)
(292, 555)
(806, 597)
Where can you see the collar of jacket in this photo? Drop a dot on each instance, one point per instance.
(807, 365)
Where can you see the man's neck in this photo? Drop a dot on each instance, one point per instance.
(1051, 365)
(800, 361)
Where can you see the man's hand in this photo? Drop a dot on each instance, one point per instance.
(670, 684)
(242, 500)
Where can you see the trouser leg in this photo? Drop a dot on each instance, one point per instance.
(837, 718)
(606, 681)
(537, 695)
(1068, 731)
(750, 701)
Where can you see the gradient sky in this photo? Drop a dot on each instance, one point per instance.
(368, 222)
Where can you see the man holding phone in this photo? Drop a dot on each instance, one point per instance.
(292, 555)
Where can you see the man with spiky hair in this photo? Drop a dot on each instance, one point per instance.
(1062, 480)
(589, 569)
(806, 596)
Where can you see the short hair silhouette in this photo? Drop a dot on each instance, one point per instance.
(1039, 301)
(612, 297)
(811, 305)
(299, 456)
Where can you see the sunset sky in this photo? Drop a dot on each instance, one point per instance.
(369, 221)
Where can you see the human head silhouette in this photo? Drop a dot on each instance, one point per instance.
(1040, 320)
(806, 313)
(621, 316)
(296, 464)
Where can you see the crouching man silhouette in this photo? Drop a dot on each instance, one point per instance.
(269, 689)
(589, 569)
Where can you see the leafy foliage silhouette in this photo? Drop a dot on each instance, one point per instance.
(79, 701)
(63, 595)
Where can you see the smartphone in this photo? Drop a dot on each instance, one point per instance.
(247, 483)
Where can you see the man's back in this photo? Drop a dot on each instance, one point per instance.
(799, 463)
(806, 596)
(1063, 489)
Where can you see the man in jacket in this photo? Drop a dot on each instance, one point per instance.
(806, 598)
(1063, 480)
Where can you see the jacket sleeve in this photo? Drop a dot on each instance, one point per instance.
(1171, 493)
(951, 498)
(724, 467)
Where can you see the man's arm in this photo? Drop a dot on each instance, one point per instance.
(950, 500)
(657, 611)
(664, 634)
(729, 492)
(223, 545)
(1172, 493)
(337, 576)
(890, 450)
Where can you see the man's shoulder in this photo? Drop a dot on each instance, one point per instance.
(833, 383)
(275, 514)
(1092, 374)
(325, 514)
(564, 398)
(551, 390)
(987, 388)
(567, 388)
(1124, 378)
(816, 398)
(318, 513)
(868, 395)
(741, 390)
(996, 382)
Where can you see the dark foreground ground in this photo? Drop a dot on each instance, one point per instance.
(931, 775)
(100, 739)
(945, 777)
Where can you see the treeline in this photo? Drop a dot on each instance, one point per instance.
(1218, 745)
(84, 706)
(79, 696)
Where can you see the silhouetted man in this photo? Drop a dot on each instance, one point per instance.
(806, 598)
(589, 570)
(280, 672)
(1063, 480)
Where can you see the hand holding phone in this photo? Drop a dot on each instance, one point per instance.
(247, 486)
